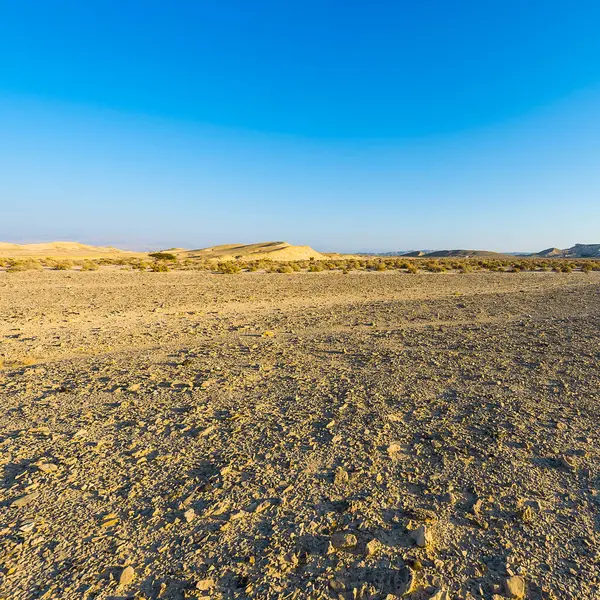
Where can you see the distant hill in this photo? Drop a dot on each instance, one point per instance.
(576, 251)
(264, 250)
(60, 250)
(464, 254)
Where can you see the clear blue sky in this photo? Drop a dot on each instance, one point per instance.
(345, 125)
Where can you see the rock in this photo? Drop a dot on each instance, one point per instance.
(440, 595)
(343, 539)
(336, 585)
(372, 547)
(47, 467)
(422, 536)
(23, 501)
(205, 584)
(189, 515)
(393, 449)
(403, 582)
(134, 387)
(515, 587)
(566, 462)
(341, 477)
(127, 576)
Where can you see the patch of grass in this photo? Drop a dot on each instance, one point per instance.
(229, 268)
(88, 265)
(159, 267)
(24, 265)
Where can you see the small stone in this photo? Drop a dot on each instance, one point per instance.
(127, 575)
(422, 536)
(205, 584)
(134, 387)
(47, 467)
(23, 501)
(343, 539)
(189, 515)
(403, 581)
(394, 449)
(566, 462)
(515, 587)
(341, 477)
(336, 585)
(372, 547)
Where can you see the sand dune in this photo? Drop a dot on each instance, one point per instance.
(263, 250)
(59, 250)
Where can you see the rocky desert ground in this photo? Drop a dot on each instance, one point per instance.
(311, 435)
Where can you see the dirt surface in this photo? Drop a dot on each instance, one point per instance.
(316, 435)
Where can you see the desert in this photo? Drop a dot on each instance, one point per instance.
(345, 433)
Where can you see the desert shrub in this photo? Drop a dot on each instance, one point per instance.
(229, 268)
(285, 269)
(159, 267)
(315, 267)
(162, 256)
(381, 266)
(88, 265)
(62, 265)
(412, 268)
(142, 265)
(24, 265)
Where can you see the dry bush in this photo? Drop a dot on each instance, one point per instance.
(62, 265)
(229, 268)
(159, 267)
(88, 265)
(29, 264)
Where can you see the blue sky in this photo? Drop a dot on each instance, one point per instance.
(347, 125)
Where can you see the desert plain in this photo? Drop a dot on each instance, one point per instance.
(308, 435)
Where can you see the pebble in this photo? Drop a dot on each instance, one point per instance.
(189, 515)
(47, 467)
(372, 547)
(343, 539)
(23, 501)
(205, 584)
(515, 587)
(422, 536)
(127, 575)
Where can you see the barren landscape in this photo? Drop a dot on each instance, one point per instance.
(375, 435)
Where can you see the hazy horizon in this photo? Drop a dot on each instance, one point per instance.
(344, 127)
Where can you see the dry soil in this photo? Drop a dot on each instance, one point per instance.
(315, 435)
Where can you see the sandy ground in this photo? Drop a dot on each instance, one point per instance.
(316, 435)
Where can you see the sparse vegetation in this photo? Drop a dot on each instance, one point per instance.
(159, 267)
(24, 265)
(229, 268)
(162, 256)
(88, 265)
